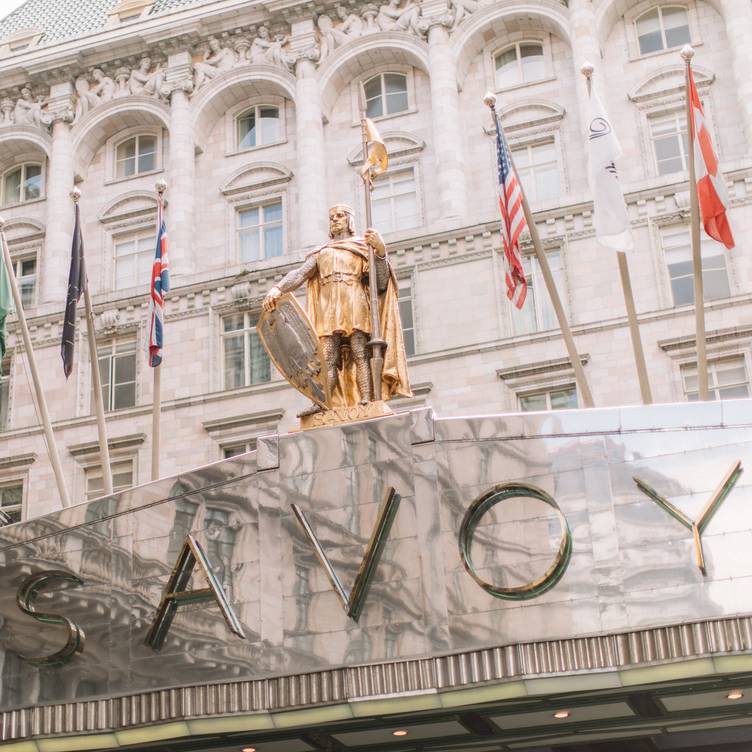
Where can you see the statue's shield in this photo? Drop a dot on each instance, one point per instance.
(291, 341)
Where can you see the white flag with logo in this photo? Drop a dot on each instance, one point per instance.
(611, 218)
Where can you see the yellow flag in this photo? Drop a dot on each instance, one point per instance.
(377, 160)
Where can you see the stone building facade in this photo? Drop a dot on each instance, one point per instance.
(250, 112)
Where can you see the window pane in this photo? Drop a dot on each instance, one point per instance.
(125, 271)
(374, 107)
(125, 396)
(4, 394)
(374, 99)
(507, 69)
(147, 162)
(715, 283)
(531, 56)
(260, 366)
(396, 92)
(676, 26)
(405, 211)
(234, 361)
(668, 154)
(249, 217)
(247, 130)
(532, 402)
(564, 399)
(12, 188)
(33, 182)
(270, 131)
(273, 241)
(105, 370)
(233, 451)
(372, 87)
(273, 212)
(547, 183)
(649, 32)
(233, 323)
(249, 245)
(125, 368)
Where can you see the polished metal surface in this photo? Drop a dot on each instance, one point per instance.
(631, 595)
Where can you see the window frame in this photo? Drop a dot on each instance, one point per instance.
(231, 144)
(498, 51)
(22, 166)
(260, 204)
(677, 116)
(142, 232)
(358, 84)
(713, 386)
(408, 282)
(256, 108)
(19, 258)
(124, 341)
(660, 8)
(547, 391)
(383, 95)
(96, 467)
(121, 137)
(246, 331)
(529, 146)
(13, 482)
(705, 243)
(396, 167)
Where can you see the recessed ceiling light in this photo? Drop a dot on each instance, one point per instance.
(399, 732)
(561, 714)
(735, 694)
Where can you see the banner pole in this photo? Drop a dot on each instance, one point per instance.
(41, 401)
(96, 381)
(687, 54)
(156, 427)
(587, 70)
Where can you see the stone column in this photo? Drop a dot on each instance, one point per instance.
(59, 221)
(310, 175)
(182, 166)
(738, 17)
(585, 47)
(446, 122)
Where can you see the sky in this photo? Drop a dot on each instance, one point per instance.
(6, 6)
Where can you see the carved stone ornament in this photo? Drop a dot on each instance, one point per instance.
(240, 49)
(144, 79)
(395, 15)
(25, 110)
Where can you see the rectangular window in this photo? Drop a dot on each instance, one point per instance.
(405, 300)
(678, 250)
(117, 370)
(4, 393)
(11, 500)
(561, 398)
(244, 358)
(669, 137)
(260, 233)
(727, 379)
(538, 170)
(134, 256)
(395, 201)
(537, 314)
(26, 277)
(122, 478)
(241, 447)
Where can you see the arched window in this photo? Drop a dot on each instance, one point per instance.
(663, 28)
(258, 126)
(135, 155)
(386, 94)
(23, 183)
(522, 63)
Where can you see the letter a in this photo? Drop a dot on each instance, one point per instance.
(354, 600)
(175, 594)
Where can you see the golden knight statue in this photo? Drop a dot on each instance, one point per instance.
(339, 309)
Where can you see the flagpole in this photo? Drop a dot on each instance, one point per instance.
(41, 401)
(156, 414)
(579, 373)
(376, 343)
(687, 54)
(96, 381)
(626, 288)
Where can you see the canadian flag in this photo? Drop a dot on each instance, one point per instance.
(711, 190)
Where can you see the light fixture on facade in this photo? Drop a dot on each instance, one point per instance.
(560, 715)
(248, 749)
(735, 694)
(400, 732)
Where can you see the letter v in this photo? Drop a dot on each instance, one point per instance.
(176, 595)
(354, 600)
(698, 526)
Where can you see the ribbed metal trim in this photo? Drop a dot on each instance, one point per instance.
(441, 673)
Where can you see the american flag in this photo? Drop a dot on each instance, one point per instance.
(512, 220)
(160, 284)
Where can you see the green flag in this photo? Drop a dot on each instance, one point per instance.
(6, 302)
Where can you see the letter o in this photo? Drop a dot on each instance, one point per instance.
(487, 501)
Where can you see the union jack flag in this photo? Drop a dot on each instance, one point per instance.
(160, 284)
(512, 219)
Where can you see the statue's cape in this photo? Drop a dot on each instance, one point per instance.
(394, 378)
